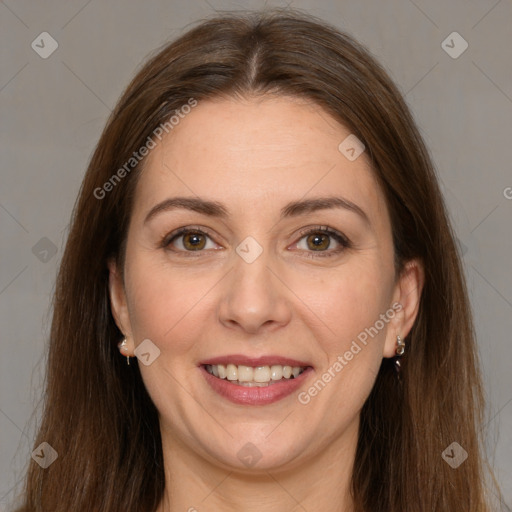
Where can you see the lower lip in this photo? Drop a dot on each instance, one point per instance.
(245, 395)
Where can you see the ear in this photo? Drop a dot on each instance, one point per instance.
(119, 306)
(406, 303)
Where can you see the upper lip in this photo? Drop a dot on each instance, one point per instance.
(268, 360)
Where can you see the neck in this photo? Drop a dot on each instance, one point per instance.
(193, 483)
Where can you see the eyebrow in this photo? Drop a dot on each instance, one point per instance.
(293, 209)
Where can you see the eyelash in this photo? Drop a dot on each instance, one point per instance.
(341, 239)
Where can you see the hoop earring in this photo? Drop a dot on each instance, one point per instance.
(400, 349)
(122, 346)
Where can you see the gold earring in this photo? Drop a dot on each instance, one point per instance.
(122, 346)
(400, 349)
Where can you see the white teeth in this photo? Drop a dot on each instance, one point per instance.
(276, 372)
(231, 372)
(287, 372)
(245, 374)
(254, 376)
(262, 374)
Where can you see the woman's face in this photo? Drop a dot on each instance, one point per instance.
(292, 265)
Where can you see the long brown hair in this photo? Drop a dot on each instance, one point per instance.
(98, 415)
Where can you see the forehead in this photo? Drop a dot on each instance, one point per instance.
(262, 151)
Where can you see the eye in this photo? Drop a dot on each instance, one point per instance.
(189, 240)
(319, 239)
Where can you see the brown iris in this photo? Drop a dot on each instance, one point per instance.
(194, 241)
(320, 241)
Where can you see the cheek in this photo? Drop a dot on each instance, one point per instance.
(165, 306)
(351, 336)
(347, 301)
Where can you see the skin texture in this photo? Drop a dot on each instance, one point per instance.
(255, 155)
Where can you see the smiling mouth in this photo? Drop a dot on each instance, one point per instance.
(254, 376)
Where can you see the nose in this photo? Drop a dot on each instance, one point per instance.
(254, 299)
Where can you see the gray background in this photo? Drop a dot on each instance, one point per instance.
(53, 110)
